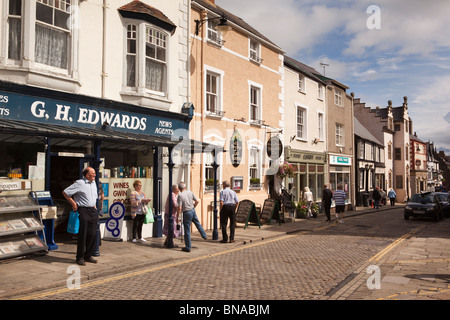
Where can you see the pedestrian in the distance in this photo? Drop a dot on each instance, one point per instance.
(327, 196)
(187, 202)
(82, 196)
(339, 197)
(376, 196)
(308, 197)
(228, 203)
(392, 195)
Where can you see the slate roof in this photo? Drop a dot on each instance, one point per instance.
(363, 133)
(139, 10)
(236, 20)
(303, 68)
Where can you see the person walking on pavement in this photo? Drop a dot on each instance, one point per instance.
(327, 195)
(228, 203)
(392, 195)
(308, 197)
(376, 196)
(85, 194)
(339, 197)
(186, 205)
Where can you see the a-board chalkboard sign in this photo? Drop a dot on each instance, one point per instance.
(246, 212)
(270, 211)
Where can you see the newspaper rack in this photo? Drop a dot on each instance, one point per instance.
(20, 222)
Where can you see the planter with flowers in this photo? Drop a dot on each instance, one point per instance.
(285, 170)
(301, 210)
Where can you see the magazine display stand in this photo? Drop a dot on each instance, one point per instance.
(20, 222)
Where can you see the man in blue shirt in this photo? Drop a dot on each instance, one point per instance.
(83, 195)
(228, 203)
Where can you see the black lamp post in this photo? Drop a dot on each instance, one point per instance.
(215, 235)
(170, 164)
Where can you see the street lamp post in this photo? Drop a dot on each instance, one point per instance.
(215, 235)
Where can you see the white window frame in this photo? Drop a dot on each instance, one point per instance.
(219, 74)
(254, 48)
(321, 125)
(213, 35)
(339, 135)
(27, 60)
(301, 83)
(320, 91)
(338, 97)
(302, 111)
(219, 142)
(259, 103)
(254, 145)
(141, 59)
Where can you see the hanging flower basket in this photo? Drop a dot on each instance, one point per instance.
(285, 169)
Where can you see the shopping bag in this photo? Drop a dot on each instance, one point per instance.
(149, 216)
(74, 222)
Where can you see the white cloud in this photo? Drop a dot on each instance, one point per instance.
(408, 56)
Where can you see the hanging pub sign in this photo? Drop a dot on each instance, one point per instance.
(236, 149)
(274, 148)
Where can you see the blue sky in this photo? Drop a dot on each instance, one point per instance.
(409, 55)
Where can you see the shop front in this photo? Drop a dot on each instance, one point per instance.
(309, 171)
(47, 138)
(340, 174)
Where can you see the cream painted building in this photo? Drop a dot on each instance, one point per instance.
(237, 88)
(122, 59)
(305, 129)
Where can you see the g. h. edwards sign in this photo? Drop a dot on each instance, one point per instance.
(28, 108)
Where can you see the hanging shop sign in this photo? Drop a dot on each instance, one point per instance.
(36, 109)
(274, 148)
(236, 149)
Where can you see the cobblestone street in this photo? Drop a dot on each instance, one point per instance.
(305, 265)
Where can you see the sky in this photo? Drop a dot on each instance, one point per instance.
(382, 49)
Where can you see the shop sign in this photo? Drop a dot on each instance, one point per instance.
(15, 185)
(274, 148)
(342, 161)
(114, 224)
(28, 108)
(306, 157)
(236, 149)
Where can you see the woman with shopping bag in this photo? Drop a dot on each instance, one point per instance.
(139, 209)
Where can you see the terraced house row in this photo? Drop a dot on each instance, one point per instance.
(183, 90)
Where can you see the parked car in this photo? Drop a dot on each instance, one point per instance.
(445, 199)
(425, 204)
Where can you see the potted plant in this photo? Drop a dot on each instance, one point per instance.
(301, 210)
(254, 182)
(314, 209)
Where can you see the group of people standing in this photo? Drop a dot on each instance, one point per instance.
(339, 196)
(183, 210)
(83, 196)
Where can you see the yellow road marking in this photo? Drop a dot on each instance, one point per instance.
(381, 254)
(175, 264)
(157, 268)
